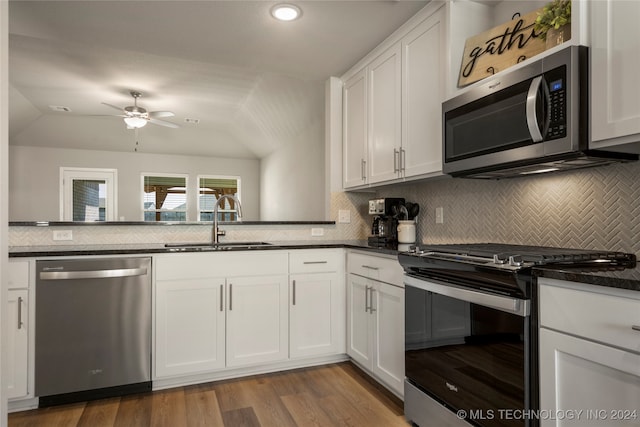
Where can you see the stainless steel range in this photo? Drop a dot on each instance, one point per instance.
(471, 324)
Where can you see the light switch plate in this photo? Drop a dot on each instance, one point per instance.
(439, 215)
(344, 216)
(62, 235)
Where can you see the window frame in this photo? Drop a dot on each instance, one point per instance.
(69, 174)
(144, 175)
(238, 180)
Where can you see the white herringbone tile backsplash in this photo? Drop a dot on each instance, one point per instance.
(597, 208)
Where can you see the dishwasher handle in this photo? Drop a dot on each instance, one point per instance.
(92, 274)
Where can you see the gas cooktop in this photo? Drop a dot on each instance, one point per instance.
(516, 256)
(502, 268)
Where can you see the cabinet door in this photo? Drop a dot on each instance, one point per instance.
(355, 130)
(580, 375)
(317, 321)
(17, 343)
(387, 305)
(615, 60)
(190, 326)
(385, 129)
(359, 332)
(422, 94)
(257, 320)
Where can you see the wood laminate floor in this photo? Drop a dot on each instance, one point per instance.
(332, 395)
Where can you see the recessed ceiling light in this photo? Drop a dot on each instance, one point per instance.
(286, 12)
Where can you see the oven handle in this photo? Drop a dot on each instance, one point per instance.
(508, 304)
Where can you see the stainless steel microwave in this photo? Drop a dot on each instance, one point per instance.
(530, 120)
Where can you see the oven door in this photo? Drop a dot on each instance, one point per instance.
(469, 351)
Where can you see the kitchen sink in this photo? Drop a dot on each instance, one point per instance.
(191, 247)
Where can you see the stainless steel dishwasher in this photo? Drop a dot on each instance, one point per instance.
(93, 329)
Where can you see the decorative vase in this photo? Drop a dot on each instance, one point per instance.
(559, 36)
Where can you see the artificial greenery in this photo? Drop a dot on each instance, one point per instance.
(553, 15)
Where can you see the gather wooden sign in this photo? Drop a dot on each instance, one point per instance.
(500, 48)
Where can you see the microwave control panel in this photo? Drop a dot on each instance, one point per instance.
(557, 103)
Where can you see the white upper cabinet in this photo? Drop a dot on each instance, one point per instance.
(392, 130)
(355, 130)
(615, 60)
(384, 116)
(423, 52)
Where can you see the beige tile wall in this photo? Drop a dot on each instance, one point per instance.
(596, 208)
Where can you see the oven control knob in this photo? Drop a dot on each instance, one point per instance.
(515, 260)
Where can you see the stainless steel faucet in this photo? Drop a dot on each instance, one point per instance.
(216, 231)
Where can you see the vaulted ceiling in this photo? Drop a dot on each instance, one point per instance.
(251, 81)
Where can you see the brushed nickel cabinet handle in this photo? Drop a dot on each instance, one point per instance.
(366, 299)
(20, 323)
(370, 268)
(371, 309)
(363, 165)
(315, 262)
(403, 159)
(294, 292)
(396, 161)
(635, 328)
(230, 296)
(221, 297)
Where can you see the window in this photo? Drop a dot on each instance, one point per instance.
(209, 191)
(164, 197)
(88, 194)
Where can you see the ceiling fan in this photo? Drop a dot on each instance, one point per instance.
(136, 117)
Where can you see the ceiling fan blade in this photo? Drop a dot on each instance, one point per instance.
(113, 106)
(157, 114)
(105, 115)
(163, 123)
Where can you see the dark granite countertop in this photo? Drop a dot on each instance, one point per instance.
(158, 223)
(628, 278)
(155, 248)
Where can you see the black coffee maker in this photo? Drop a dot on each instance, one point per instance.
(384, 226)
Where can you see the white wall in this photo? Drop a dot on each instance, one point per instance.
(34, 179)
(293, 179)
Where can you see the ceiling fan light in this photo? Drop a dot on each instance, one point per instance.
(135, 122)
(286, 12)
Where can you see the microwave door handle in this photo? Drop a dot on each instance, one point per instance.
(532, 120)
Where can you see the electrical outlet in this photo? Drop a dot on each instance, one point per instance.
(439, 215)
(62, 235)
(344, 216)
(317, 232)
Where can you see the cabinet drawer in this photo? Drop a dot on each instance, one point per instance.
(18, 274)
(374, 267)
(315, 261)
(241, 263)
(596, 316)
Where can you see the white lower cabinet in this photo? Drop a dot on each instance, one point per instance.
(589, 355)
(18, 343)
(317, 303)
(257, 320)
(213, 313)
(17, 357)
(375, 318)
(206, 322)
(190, 326)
